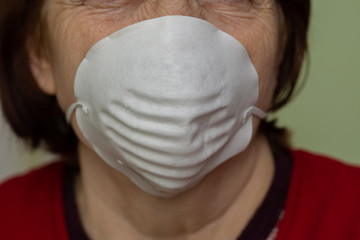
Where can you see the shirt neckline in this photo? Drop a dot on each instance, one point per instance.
(260, 227)
(72, 218)
(263, 224)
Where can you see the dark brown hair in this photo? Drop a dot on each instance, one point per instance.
(297, 19)
(37, 118)
(33, 115)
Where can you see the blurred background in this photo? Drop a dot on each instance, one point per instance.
(324, 117)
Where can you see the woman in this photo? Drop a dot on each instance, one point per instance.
(167, 100)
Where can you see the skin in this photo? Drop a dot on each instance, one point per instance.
(110, 206)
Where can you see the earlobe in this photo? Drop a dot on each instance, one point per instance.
(41, 69)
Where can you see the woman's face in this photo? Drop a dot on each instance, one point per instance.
(74, 26)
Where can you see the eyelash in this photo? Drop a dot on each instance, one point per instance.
(91, 2)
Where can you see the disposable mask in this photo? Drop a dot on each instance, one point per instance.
(165, 101)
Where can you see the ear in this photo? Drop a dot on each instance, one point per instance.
(41, 68)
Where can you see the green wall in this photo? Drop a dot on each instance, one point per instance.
(325, 116)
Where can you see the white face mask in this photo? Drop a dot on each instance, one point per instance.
(167, 100)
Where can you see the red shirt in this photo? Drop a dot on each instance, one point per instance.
(323, 203)
(323, 200)
(31, 206)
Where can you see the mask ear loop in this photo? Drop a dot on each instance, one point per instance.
(72, 108)
(253, 110)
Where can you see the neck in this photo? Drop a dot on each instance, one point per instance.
(221, 205)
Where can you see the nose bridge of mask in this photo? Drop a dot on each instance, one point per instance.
(166, 61)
